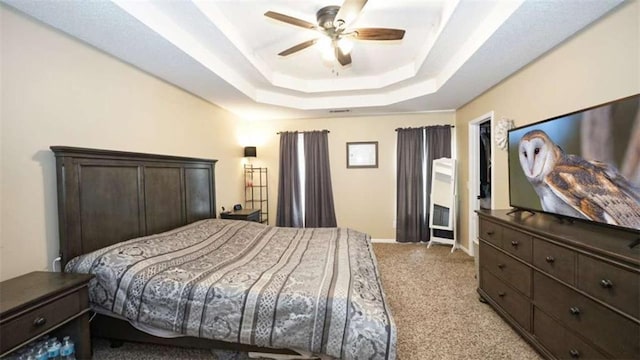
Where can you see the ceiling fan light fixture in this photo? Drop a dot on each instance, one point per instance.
(326, 48)
(345, 45)
(324, 43)
(333, 22)
(328, 55)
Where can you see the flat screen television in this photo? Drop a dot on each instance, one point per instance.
(583, 165)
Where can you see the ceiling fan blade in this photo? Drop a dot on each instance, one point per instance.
(343, 59)
(378, 34)
(298, 47)
(290, 20)
(348, 12)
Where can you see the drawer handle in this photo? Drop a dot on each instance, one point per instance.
(606, 283)
(514, 243)
(502, 294)
(550, 259)
(501, 266)
(39, 321)
(574, 310)
(574, 353)
(490, 232)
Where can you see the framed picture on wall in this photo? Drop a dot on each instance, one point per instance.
(362, 154)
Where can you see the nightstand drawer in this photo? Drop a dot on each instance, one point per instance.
(38, 320)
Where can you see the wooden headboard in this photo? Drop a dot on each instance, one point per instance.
(105, 197)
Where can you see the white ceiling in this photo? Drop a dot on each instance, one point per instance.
(225, 51)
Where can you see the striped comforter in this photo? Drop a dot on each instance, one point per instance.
(316, 290)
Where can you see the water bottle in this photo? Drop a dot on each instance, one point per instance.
(42, 354)
(54, 349)
(50, 342)
(67, 351)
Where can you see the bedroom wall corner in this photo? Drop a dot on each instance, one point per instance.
(56, 90)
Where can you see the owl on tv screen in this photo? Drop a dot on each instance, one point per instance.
(583, 165)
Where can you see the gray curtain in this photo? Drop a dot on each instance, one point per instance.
(410, 219)
(318, 195)
(437, 145)
(289, 212)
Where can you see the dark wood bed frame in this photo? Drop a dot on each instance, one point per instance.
(105, 197)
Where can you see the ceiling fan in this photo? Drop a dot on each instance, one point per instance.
(333, 22)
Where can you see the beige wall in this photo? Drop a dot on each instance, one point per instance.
(364, 198)
(597, 65)
(58, 91)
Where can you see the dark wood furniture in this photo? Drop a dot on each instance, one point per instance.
(244, 214)
(570, 289)
(42, 303)
(105, 197)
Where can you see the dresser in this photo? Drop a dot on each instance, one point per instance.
(571, 289)
(42, 303)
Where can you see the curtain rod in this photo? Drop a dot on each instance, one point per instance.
(424, 127)
(324, 130)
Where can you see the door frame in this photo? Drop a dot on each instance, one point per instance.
(474, 176)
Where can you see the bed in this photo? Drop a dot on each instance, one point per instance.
(168, 272)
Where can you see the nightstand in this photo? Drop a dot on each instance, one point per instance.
(244, 214)
(42, 303)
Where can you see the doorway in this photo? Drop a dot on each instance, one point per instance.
(479, 148)
(484, 150)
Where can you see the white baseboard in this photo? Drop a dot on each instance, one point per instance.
(464, 249)
(385, 241)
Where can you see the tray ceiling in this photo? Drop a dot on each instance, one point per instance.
(225, 51)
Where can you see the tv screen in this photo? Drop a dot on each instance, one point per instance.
(583, 165)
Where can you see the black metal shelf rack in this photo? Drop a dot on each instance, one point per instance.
(256, 190)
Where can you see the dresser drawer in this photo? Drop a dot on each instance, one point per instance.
(516, 305)
(491, 232)
(506, 268)
(38, 320)
(517, 243)
(616, 286)
(555, 260)
(613, 333)
(561, 342)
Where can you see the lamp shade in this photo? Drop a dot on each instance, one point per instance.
(249, 151)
